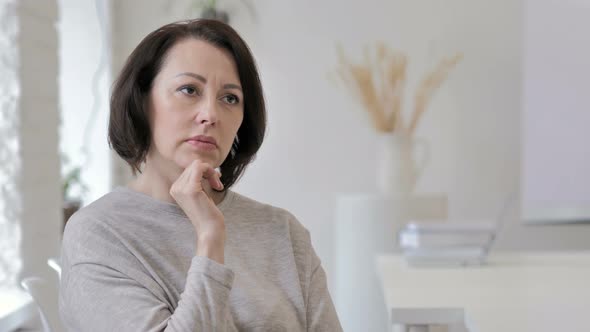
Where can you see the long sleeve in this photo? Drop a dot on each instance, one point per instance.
(104, 288)
(321, 314)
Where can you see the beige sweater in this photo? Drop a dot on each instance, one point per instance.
(129, 265)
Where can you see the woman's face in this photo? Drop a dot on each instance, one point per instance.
(196, 106)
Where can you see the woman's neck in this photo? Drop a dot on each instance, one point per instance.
(157, 184)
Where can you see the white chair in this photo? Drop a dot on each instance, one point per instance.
(45, 292)
(54, 264)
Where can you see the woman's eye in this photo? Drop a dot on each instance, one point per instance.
(188, 90)
(231, 99)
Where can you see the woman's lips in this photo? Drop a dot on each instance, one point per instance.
(202, 145)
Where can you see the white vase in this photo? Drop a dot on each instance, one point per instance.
(400, 162)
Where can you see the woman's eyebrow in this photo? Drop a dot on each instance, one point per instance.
(204, 80)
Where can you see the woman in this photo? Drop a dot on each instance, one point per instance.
(176, 250)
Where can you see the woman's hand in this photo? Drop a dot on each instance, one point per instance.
(189, 192)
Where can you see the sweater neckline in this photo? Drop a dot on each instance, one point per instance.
(173, 208)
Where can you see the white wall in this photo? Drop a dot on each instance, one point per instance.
(319, 142)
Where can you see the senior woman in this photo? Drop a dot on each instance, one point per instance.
(176, 249)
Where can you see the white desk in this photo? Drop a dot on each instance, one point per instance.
(537, 292)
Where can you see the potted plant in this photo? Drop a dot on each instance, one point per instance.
(73, 190)
(378, 83)
(210, 9)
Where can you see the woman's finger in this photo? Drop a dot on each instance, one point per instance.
(180, 181)
(214, 178)
(206, 171)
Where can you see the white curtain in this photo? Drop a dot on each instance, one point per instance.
(9, 146)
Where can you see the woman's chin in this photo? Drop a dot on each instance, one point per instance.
(187, 160)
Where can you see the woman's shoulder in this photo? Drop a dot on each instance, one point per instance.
(109, 216)
(95, 218)
(100, 209)
(248, 210)
(121, 204)
(89, 234)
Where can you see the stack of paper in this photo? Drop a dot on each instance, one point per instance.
(446, 243)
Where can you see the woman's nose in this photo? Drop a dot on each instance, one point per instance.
(207, 114)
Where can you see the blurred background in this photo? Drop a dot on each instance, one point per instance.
(506, 126)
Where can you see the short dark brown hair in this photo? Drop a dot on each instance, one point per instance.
(129, 129)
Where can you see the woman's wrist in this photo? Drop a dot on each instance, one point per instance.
(212, 246)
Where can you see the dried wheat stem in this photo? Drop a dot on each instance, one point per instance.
(428, 86)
